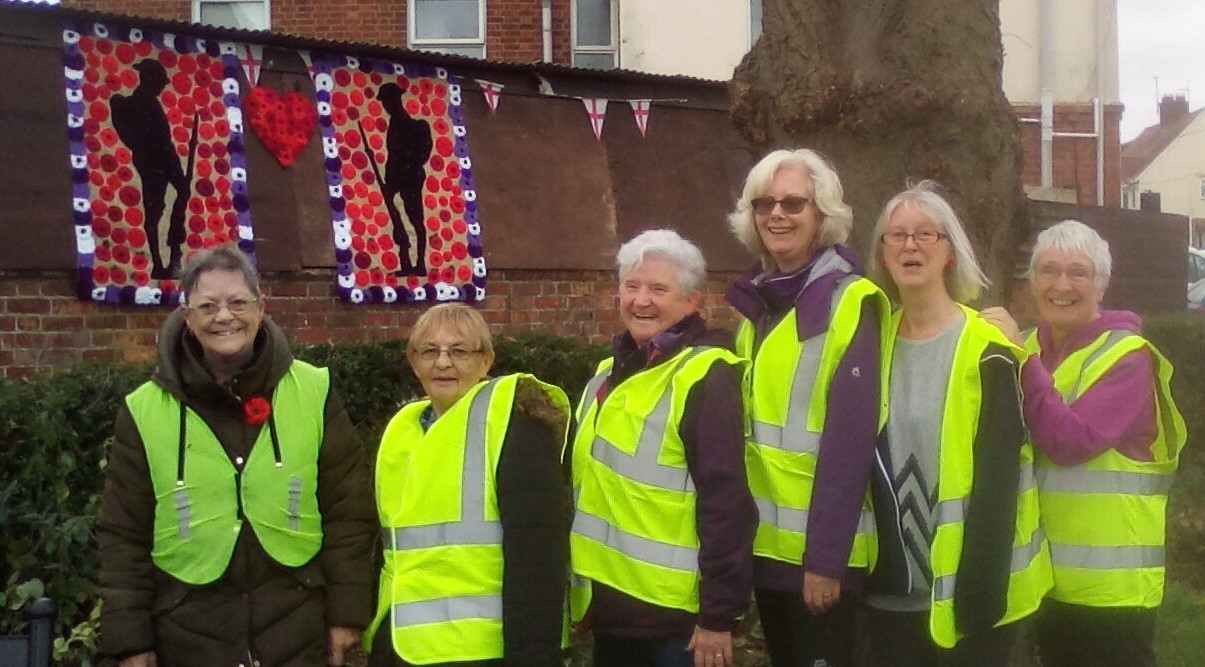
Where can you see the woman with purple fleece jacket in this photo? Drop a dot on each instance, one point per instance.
(664, 519)
(1099, 408)
(812, 328)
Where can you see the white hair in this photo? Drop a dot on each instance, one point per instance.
(837, 216)
(1075, 236)
(965, 280)
(666, 243)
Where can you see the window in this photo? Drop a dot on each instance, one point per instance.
(754, 21)
(447, 26)
(1202, 188)
(595, 24)
(244, 14)
(1129, 196)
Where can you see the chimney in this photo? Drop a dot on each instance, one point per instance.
(1172, 108)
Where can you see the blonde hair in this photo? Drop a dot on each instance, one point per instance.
(829, 198)
(457, 317)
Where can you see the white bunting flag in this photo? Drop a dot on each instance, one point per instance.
(640, 111)
(492, 92)
(596, 108)
(308, 59)
(252, 60)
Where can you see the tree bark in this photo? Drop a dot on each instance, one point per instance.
(894, 91)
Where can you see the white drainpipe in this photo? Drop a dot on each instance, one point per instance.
(1046, 73)
(546, 25)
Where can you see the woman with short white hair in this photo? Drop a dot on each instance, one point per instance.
(961, 554)
(1099, 407)
(812, 327)
(663, 520)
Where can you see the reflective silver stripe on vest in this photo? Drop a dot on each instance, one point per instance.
(183, 514)
(794, 436)
(796, 520)
(1022, 556)
(1076, 479)
(487, 607)
(1106, 558)
(1113, 339)
(954, 511)
(590, 395)
(642, 465)
(295, 503)
(682, 559)
(473, 528)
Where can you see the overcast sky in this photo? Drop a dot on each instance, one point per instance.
(1164, 39)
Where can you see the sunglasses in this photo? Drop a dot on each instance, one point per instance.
(790, 205)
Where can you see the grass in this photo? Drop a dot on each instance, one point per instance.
(1180, 633)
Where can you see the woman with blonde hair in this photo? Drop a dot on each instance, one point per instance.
(812, 328)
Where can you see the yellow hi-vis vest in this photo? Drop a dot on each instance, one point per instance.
(1029, 576)
(201, 496)
(788, 414)
(440, 592)
(634, 528)
(1106, 518)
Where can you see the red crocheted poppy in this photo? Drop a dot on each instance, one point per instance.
(257, 410)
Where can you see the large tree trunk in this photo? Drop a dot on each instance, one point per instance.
(892, 91)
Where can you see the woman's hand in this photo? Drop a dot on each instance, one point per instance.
(339, 642)
(141, 660)
(820, 593)
(1004, 321)
(712, 649)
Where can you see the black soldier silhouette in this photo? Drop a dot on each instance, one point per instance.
(408, 142)
(142, 126)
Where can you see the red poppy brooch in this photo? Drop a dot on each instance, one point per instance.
(257, 410)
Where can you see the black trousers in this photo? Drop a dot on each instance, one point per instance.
(796, 638)
(902, 639)
(1072, 635)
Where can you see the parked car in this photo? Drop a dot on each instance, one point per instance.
(1196, 280)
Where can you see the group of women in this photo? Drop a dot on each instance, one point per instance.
(864, 443)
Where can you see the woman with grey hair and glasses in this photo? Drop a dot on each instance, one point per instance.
(663, 520)
(1099, 407)
(812, 326)
(237, 522)
(961, 554)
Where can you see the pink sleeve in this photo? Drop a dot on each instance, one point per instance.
(1117, 412)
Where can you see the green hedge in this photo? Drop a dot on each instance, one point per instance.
(54, 431)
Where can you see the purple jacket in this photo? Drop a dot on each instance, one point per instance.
(847, 444)
(1117, 412)
(712, 430)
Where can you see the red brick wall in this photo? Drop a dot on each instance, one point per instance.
(514, 28)
(43, 325)
(1074, 157)
(170, 10)
(375, 21)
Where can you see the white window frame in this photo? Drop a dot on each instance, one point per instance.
(611, 49)
(1201, 185)
(1129, 195)
(413, 42)
(196, 10)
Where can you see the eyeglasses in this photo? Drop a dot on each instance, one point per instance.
(926, 237)
(1075, 274)
(236, 306)
(457, 354)
(790, 205)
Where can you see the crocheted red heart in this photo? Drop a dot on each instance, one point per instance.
(284, 123)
